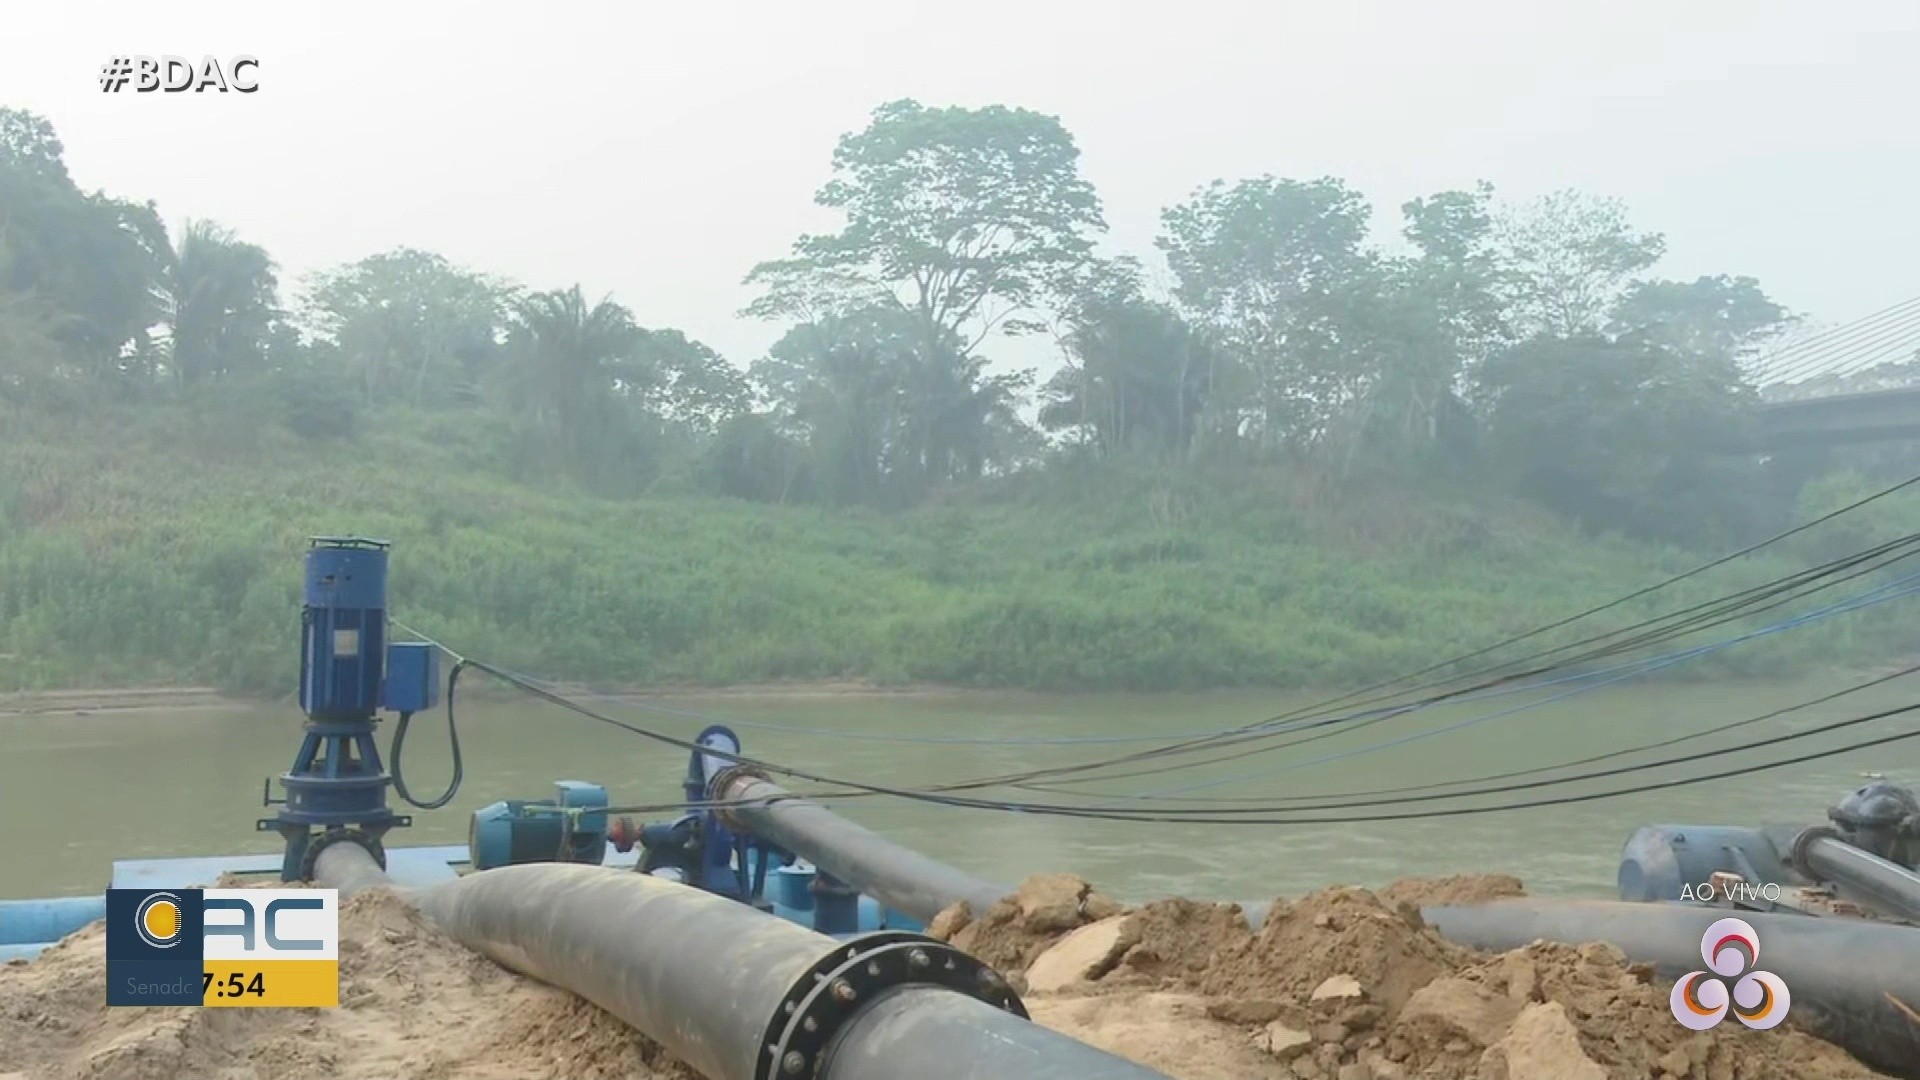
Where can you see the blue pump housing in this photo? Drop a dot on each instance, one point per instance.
(542, 830)
(1661, 861)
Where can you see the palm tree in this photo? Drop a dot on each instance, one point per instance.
(572, 363)
(219, 302)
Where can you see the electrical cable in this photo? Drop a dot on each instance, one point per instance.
(453, 746)
(1564, 800)
(1909, 586)
(940, 793)
(1718, 609)
(1324, 726)
(1220, 816)
(1313, 800)
(1305, 719)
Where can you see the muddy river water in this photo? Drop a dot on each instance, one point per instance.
(78, 791)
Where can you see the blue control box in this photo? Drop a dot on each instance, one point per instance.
(413, 677)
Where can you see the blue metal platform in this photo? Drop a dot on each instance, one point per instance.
(28, 926)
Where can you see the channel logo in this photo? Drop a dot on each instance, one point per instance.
(158, 920)
(1758, 999)
(223, 947)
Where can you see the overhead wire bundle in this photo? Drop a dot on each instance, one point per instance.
(1469, 677)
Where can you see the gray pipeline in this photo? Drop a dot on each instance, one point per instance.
(898, 877)
(1841, 972)
(738, 994)
(1884, 885)
(1844, 974)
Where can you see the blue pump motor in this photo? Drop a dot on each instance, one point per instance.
(569, 828)
(1662, 862)
(343, 650)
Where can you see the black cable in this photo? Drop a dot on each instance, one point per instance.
(940, 794)
(1328, 727)
(1596, 774)
(1729, 611)
(1220, 818)
(1685, 781)
(1536, 770)
(453, 744)
(1348, 698)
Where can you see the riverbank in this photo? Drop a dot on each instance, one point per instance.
(160, 547)
(86, 702)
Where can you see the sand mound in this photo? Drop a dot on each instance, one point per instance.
(1343, 984)
(413, 1004)
(1346, 984)
(1457, 889)
(1011, 933)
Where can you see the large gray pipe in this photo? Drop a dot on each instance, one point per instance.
(1844, 974)
(738, 994)
(1881, 884)
(899, 877)
(1841, 972)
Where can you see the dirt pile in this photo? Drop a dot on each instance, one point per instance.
(1344, 984)
(413, 1004)
(1011, 933)
(1347, 984)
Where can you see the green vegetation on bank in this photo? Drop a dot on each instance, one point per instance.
(161, 545)
(1300, 456)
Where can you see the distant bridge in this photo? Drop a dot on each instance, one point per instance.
(1841, 419)
(1807, 422)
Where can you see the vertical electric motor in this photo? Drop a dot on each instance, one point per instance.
(338, 785)
(343, 651)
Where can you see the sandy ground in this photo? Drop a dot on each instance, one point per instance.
(1344, 984)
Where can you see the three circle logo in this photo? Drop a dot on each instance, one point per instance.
(1758, 999)
(158, 918)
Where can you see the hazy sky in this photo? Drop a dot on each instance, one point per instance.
(658, 151)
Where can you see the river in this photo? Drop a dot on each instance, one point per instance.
(78, 791)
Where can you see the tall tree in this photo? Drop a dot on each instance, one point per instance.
(94, 263)
(1136, 379)
(1433, 318)
(1457, 271)
(1567, 258)
(692, 384)
(221, 304)
(963, 218)
(410, 325)
(572, 358)
(27, 341)
(1719, 317)
(886, 418)
(1625, 434)
(1277, 272)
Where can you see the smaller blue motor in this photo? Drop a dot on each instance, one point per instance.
(569, 828)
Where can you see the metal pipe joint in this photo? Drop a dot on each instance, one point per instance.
(846, 981)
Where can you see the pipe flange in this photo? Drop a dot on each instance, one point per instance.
(724, 779)
(843, 982)
(368, 842)
(1798, 856)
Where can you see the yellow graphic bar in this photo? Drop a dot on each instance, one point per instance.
(302, 984)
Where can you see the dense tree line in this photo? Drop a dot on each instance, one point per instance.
(1524, 346)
